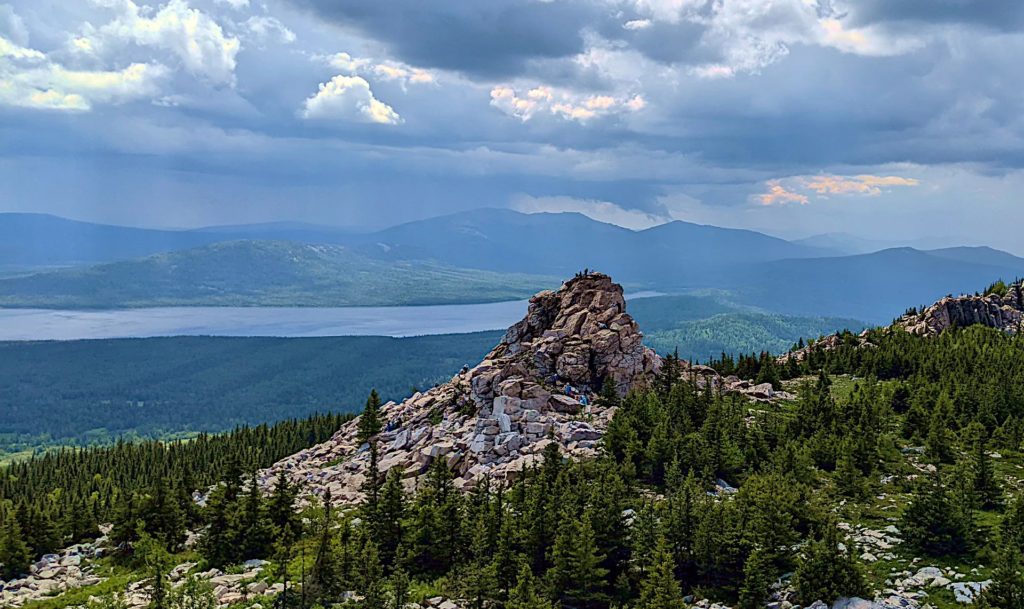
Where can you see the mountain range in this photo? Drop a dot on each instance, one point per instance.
(480, 255)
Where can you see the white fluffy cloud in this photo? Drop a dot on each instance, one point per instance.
(381, 70)
(29, 79)
(349, 98)
(190, 34)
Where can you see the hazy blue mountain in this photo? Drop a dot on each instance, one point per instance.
(267, 273)
(676, 255)
(874, 287)
(845, 243)
(33, 240)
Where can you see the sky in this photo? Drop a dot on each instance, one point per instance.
(887, 120)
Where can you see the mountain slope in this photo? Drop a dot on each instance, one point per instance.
(676, 254)
(874, 287)
(268, 273)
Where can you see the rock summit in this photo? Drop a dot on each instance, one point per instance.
(537, 386)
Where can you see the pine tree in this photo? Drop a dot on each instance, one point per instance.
(660, 590)
(587, 574)
(369, 420)
(15, 558)
(932, 524)
(326, 577)
(398, 583)
(193, 593)
(281, 509)
(524, 594)
(163, 517)
(849, 481)
(387, 519)
(826, 572)
(371, 578)
(480, 578)
(152, 553)
(986, 488)
(1007, 588)
(758, 575)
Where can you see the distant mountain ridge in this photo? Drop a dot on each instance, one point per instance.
(492, 252)
(263, 273)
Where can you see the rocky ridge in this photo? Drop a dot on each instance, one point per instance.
(537, 386)
(992, 310)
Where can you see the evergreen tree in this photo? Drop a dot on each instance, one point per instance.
(986, 488)
(480, 578)
(387, 518)
(371, 578)
(14, 552)
(152, 554)
(932, 524)
(827, 572)
(193, 593)
(163, 517)
(1007, 588)
(326, 576)
(660, 590)
(758, 576)
(369, 420)
(849, 481)
(399, 586)
(524, 595)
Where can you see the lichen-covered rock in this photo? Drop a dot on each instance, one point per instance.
(493, 420)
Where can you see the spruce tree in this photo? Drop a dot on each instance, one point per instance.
(480, 577)
(826, 572)
(524, 595)
(193, 593)
(369, 420)
(15, 558)
(371, 578)
(1007, 588)
(758, 576)
(660, 590)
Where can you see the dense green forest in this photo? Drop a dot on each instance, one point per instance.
(93, 391)
(700, 339)
(900, 434)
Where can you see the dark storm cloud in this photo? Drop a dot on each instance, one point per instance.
(1006, 15)
(494, 37)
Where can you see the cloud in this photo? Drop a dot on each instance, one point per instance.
(862, 184)
(382, 70)
(564, 104)
(778, 195)
(193, 36)
(349, 98)
(29, 79)
(787, 190)
(235, 4)
(263, 27)
(602, 211)
(637, 24)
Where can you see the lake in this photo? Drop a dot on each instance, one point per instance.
(48, 324)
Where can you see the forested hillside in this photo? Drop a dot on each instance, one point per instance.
(907, 452)
(94, 391)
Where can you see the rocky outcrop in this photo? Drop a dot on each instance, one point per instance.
(536, 387)
(994, 311)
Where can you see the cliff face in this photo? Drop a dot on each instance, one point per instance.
(1002, 312)
(537, 386)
